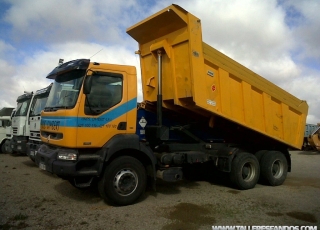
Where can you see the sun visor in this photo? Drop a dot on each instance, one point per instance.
(79, 64)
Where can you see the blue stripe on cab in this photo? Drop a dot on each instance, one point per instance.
(90, 122)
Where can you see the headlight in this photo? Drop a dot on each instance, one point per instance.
(67, 156)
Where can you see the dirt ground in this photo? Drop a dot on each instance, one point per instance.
(34, 199)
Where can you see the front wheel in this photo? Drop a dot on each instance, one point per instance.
(274, 168)
(245, 171)
(124, 181)
(3, 148)
(8, 148)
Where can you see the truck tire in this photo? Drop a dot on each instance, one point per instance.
(260, 154)
(245, 171)
(3, 148)
(274, 168)
(8, 148)
(123, 182)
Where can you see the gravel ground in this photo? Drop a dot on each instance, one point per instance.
(34, 199)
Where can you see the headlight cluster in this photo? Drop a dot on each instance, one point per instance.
(67, 156)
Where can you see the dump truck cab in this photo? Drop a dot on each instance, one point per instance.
(88, 104)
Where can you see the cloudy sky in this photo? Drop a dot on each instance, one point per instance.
(279, 40)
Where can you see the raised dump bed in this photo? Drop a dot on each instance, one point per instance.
(199, 78)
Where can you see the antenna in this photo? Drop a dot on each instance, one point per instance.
(96, 53)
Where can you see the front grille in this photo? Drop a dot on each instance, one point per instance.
(35, 136)
(15, 130)
(55, 136)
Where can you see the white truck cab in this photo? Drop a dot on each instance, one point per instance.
(38, 104)
(20, 124)
(5, 123)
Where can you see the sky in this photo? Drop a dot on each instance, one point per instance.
(277, 39)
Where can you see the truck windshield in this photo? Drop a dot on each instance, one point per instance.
(22, 108)
(38, 105)
(65, 90)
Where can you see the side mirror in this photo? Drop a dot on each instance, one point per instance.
(13, 114)
(87, 84)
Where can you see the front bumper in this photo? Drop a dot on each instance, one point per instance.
(32, 149)
(47, 159)
(18, 144)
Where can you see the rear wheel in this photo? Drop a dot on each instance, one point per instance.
(245, 171)
(274, 168)
(260, 154)
(124, 181)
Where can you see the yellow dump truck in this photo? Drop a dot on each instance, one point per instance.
(314, 138)
(311, 139)
(200, 108)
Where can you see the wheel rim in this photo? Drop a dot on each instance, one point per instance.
(125, 182)
(248, 171)
(277, 169)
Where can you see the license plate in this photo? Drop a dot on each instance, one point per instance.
(42, 166)
(31, 153)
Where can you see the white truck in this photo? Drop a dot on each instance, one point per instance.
(20, 126)
(38, 104)
(5, 121)
(9, 134)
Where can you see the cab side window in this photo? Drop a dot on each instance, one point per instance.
(106, 92)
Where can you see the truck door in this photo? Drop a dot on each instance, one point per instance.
(104, 111)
